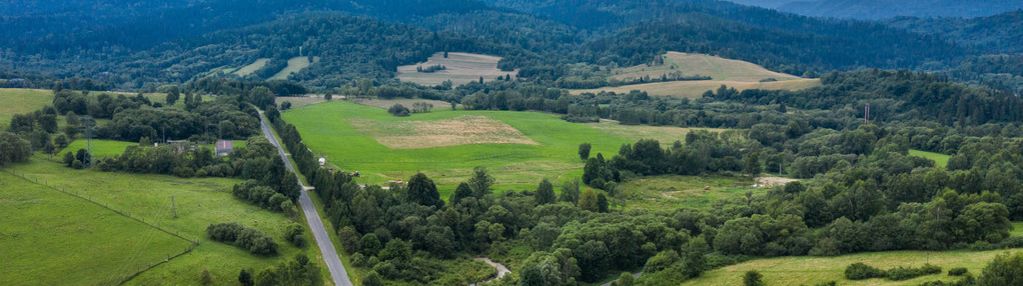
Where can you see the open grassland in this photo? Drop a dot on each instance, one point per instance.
(197, 202)
(737, 74)
(295, 65)
(51, 238)
(940, 160)
(387, 103)
(696, 88)
(331, 130)
(716, 68)
(299, 101)
(100, 148)
(665, 134)
(251, 68)
(805, 270)
(666, 192)
(461, 68)
(21, 101)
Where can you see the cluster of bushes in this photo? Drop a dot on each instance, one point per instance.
(860, 271)
(294, 234)
(430, 69)
(13, 149)
(399, 110)
(702, 152)
(266, 197)
(251, 239)
(78, 160)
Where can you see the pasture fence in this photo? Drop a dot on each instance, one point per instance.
(193, 243)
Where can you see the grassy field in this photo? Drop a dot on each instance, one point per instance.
(940, 160)
(44, 244)
(100, 148)
(20, 101)
(462, 68)
(344, 133)
(295, 65)
(696, 88)
(251, 68)
(740, 75)
(705, 65)
(387, 103)
(664, 192)
(804, 270)
(198, 202)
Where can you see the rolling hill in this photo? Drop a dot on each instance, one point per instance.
(459, 68)
(737, 74)
(884, 9)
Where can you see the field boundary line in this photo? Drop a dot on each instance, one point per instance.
(192, 243)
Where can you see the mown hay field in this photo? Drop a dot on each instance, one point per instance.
(461, 68)
(362, 138)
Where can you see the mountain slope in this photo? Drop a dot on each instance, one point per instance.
(885, 9)
(1002, 33)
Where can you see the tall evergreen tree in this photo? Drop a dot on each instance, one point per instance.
(423, 191)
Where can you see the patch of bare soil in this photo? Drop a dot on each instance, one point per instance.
(439, 133)
(767, 182)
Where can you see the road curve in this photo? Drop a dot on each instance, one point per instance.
(312, 216)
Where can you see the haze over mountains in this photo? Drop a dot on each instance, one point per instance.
(886, 9)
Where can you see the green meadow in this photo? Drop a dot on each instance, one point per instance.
(51, 238)
(808, 270)
(668, 192)
(155, 199)
(940, 160)
(102, 148)
(350, 136)
(20, 101)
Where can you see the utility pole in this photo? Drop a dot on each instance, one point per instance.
(88, 123)
(866, 114)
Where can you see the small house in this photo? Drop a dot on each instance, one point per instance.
(224, 148)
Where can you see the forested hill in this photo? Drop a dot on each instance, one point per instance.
(55, 26)
(1002, 33)
(124, 45)
(886, 9)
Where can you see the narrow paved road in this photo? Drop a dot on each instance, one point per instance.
(312, 216)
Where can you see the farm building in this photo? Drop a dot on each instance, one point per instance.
(224, 148)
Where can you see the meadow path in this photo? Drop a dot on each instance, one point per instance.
(312, 216)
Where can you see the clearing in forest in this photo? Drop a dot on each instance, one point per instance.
(672, 191)
(737, 74)
(717, 68)
(546, 145)
(940, 160)
(251, 68)
(459, 68)
(295, 65)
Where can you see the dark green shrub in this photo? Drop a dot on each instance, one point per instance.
(906, 273)
(958, 271)
(860, 271)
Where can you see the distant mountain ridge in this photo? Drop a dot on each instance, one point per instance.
(1002, 33)
(887, 9)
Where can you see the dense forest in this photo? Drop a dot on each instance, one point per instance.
(886, 9)
(547, 37)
